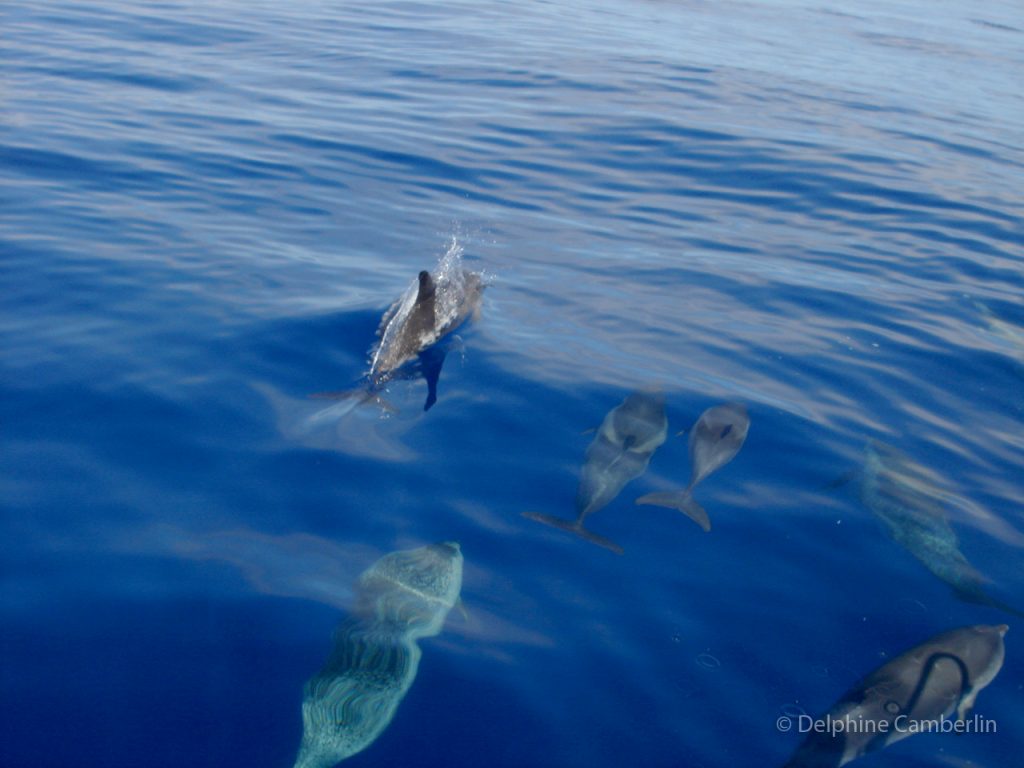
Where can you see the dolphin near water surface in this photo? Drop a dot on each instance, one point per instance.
(904, 496)
(413, 331)
(620, 452)
(714, 441)
(911, 694)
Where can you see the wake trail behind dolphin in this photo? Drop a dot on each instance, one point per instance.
(681, 500)
(574, 526)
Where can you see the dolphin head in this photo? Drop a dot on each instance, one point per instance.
(639, 422)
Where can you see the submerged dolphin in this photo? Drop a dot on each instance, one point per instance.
(911, 694)
(715, 439)
(411, 330)
(903, 495)
(401, 598)
(621, 451)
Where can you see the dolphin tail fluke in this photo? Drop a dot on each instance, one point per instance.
(681, 500)
(573, 526)
(601, 541)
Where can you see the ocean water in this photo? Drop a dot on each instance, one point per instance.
(811, 209)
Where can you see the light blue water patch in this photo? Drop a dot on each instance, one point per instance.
(207, 208)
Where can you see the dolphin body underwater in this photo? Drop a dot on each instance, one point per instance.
(903, 496)
(923, 686)
(714, 441)
(401, 598)
(621, 451)
(412, 331)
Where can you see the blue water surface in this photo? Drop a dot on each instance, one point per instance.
(812, 209)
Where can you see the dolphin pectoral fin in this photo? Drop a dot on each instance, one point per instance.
(963, 711)
(573, 526)
(431, 362)
(681, 500)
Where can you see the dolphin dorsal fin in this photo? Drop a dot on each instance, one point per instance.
(427, 288)
(423, 317)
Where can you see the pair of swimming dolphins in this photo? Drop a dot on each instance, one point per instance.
(622, 449)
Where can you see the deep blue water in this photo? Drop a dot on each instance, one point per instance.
(206, 208)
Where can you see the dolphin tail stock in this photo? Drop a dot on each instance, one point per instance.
(681, 500)
(362, 394)
(978, 596)
(574, 526)
(357, 396)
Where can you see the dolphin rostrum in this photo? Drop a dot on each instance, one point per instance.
(904, 496)
(715, 439)
(401, 598)
(621, 451)
(911, 694)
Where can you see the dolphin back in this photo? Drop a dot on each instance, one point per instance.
(716, 438)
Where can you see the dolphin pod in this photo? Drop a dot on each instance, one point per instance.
(909, 695)
(403, 597)
(407, 595)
